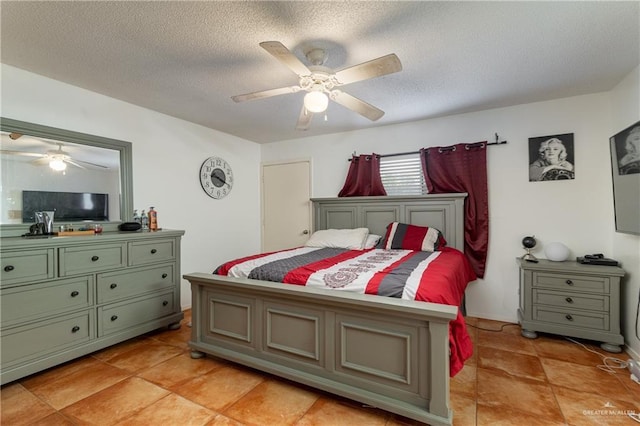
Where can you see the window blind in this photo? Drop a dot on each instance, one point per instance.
(402, 175)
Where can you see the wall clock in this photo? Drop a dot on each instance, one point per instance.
(216, 177)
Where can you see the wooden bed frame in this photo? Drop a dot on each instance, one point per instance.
(385, 352)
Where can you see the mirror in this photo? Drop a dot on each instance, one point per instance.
(625, 167)
(45, 160)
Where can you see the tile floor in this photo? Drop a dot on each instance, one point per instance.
(152, 380)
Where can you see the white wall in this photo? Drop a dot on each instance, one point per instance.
(625, 108)
(167, 154)
(578, 213)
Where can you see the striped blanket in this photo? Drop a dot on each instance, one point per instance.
(438, 277)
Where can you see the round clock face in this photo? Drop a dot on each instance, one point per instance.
(216, 177)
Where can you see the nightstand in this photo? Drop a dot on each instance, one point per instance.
(571, 299)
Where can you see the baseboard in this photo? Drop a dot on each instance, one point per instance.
(633, 354)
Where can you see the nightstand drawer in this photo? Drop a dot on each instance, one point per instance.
(24, 266)
(94, 258)
(591, 302)
(595, 320)
(144, 252)
(572, 282)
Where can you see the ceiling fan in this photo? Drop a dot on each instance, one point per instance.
(56, 159)
(320, 82)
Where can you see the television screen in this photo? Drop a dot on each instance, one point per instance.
(68, 206)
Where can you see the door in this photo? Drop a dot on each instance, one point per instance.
(286, 204)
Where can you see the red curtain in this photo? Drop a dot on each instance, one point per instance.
(363, 177)
(463, 168)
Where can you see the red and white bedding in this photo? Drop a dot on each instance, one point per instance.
(438, 277)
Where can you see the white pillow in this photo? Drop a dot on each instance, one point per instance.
(352, 239)
(371, 241)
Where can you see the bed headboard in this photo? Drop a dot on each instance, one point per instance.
(442, 211)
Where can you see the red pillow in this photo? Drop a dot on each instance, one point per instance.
(412, 237)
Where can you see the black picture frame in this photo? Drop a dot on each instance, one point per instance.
(625, 171)
(542, 167)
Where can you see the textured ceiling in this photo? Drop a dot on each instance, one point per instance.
(186, 59)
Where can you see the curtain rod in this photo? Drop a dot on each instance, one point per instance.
(397, 154)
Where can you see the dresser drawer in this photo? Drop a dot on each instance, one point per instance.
(572, 282)
(46, 337)
(93, 258)
(593, 302)
(592, 320)
(39, 300)
(120, 316)
(29, 265)
(132, 282)
(145, 252)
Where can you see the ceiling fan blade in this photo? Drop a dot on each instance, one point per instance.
(375, 68)
(75, 160)
(304, 121)
(26, 154)
(41, 161)
(284, 55)
(73, 163)
(357, 105)
(265, 94)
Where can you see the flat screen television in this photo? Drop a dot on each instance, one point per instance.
(68, 206)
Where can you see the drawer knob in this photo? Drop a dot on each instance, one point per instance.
(154, 251)
(114, 317)
(569, 282)
(75, 329)
(74, 293)
(569, 317)
(9, 268)
(113, 285)
(164, 275)
(165, 303)
(569, 300)
(94, 258)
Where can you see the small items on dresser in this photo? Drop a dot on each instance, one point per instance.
(153, 219)
(144, 221)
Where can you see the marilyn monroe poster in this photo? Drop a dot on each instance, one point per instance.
(551, 158)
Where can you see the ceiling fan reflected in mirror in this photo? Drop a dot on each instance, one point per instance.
(321, 82)
(56, 159)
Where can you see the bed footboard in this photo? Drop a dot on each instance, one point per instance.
(388, 353)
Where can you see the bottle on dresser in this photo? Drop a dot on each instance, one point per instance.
(153, 219)
(144, 221)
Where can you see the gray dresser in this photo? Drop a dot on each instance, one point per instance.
(64, 297)
(571, 299)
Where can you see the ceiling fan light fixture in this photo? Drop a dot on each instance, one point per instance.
(57, 164)
(316, 101)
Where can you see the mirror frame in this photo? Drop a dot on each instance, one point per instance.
(126, 166)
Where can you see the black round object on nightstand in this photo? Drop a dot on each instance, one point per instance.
(529, 242)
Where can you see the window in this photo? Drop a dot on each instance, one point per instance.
(402, 175)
